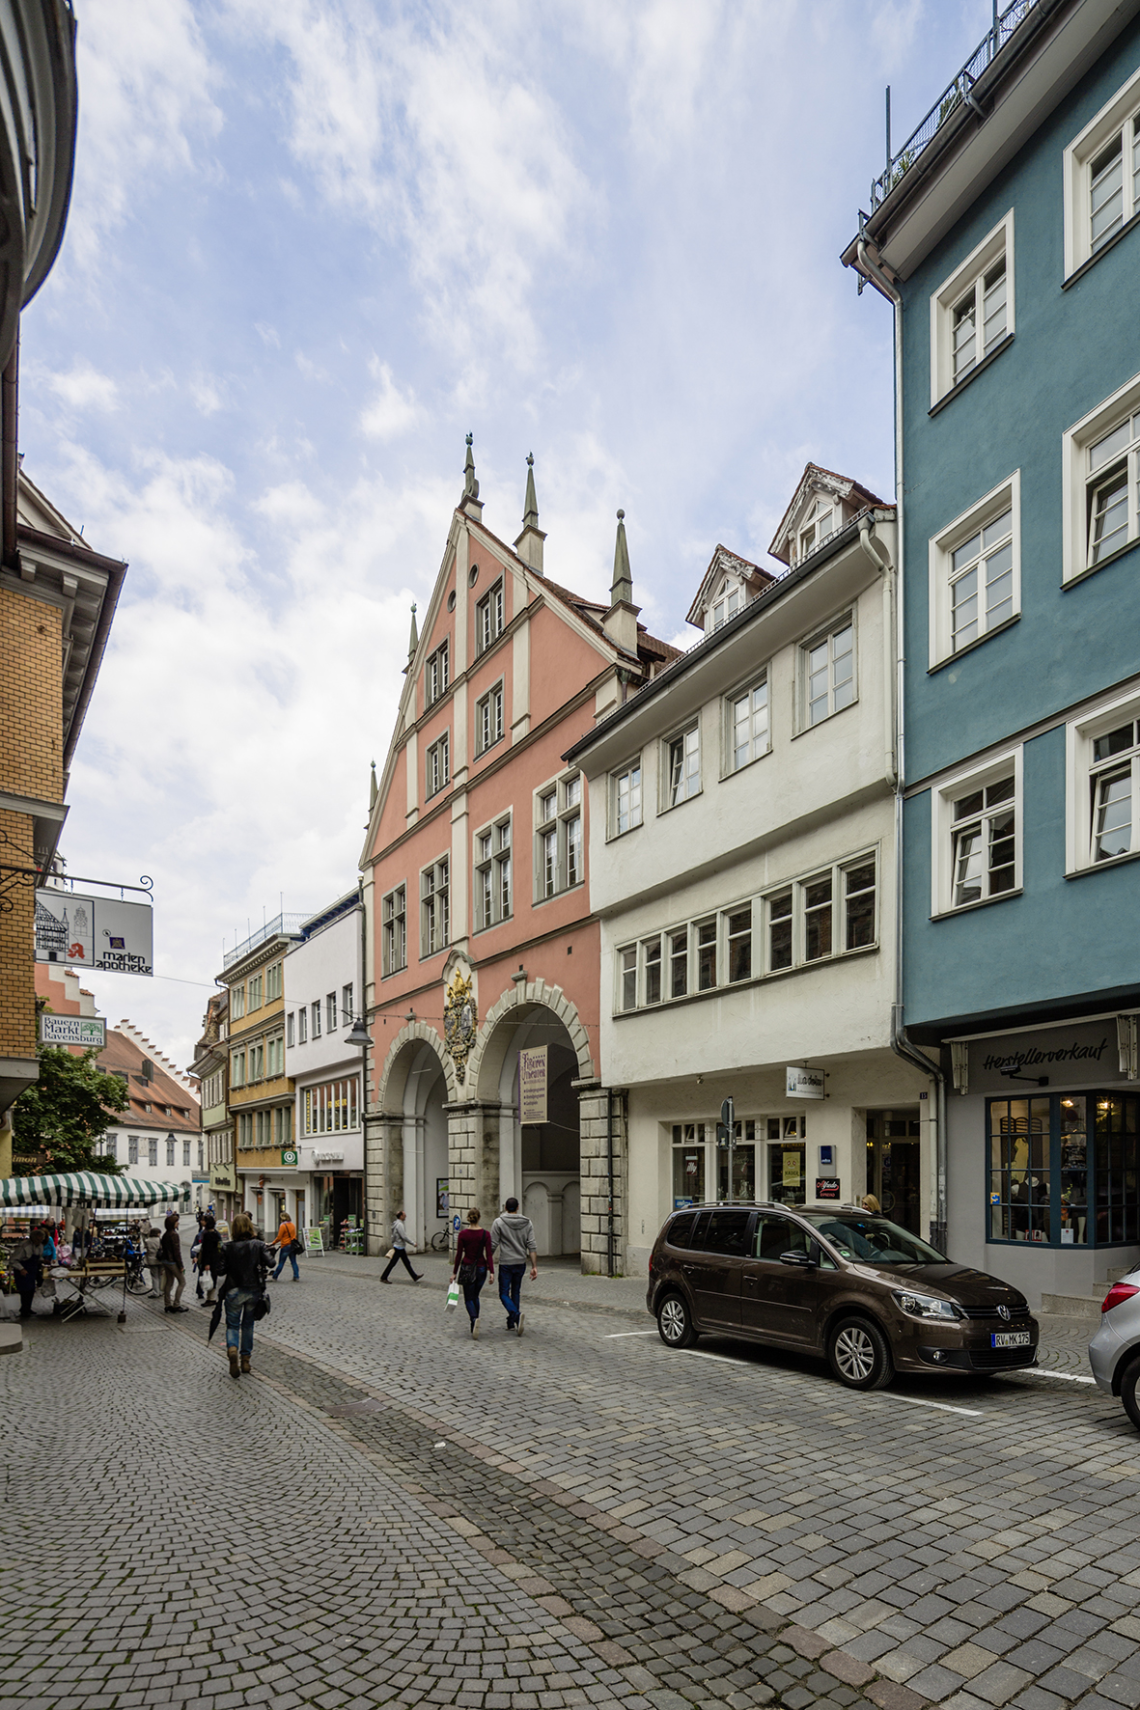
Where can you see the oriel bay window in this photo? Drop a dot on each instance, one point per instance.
(332, 1107)
(1063, 1169)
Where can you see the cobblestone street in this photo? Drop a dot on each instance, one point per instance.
(387, 1511)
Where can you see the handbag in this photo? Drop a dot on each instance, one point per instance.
(467, 1273)
(261, 1308)
(452, 1296)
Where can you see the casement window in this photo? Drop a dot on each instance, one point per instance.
(1103, 779)
(330, 1012)
(273, 984)
(394, 911)
(738, 944)
(132, 1149)
(625, 799)
(170, 1145)
(437, 674)
(255, 992)
(976, 836)
(152, 1153)
(438, 764)
(185, 1154)
(489, 618)
(823, 915)
(201, 1155)
(627, 978)
(705, 935)
(237, 1002)
(315, 1018)
(827, 666)
(971, 313)
(747, 733)
(681, 766)
(559, 849)
(275, 1055)
(237, 1069)
(489, 719)
(282, 1123)
(975, 572)
(677, 949)
(1101, 483)
(263, 1127)
(346, 1009)
(302, 1025)
(256, 1061)
(332, 1107)
(1102, 177)
(110, 1144)
(435, 910)
(726, 606)
(818, 526)
(493, 874)
(291, 1029)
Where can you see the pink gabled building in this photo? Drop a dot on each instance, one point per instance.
(481, 941)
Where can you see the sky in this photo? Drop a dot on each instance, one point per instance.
(311, 246)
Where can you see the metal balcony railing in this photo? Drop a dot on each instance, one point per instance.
(960, 90)
(281, 923)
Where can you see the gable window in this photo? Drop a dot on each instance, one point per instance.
(682, 766)
(975, 572)
(725, 606)
(437, 674)
(438, 764)
(747, 732)
(489, 618)
(625, 799)
(1102, 177)
(971, 313)
(493, 875)
(828, 667)
(976, 836)
(435, 897)
(559, 851)
(395, 922)
(489, 719)
(819, 524)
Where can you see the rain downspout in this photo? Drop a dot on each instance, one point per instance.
(900, 1044)
(610, 1253)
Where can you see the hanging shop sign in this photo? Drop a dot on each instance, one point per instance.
(827, 1187)
(803, 1083)
(84, 931)
(223, 1178)
(532, 1084)
(86, 1031)
(289, 1159)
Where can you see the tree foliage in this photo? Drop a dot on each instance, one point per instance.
(59, 1121)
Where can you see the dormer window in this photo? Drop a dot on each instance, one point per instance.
(726, 605)
(821, 523)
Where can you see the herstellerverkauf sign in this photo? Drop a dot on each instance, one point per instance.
(80, 931)
(83, 1030)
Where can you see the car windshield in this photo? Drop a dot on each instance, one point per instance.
(874, 1240)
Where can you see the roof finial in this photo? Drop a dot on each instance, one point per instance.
(621, 588)
(373, 789)
(413, 639)
(470, 484)
(530, 508)
(529, 543)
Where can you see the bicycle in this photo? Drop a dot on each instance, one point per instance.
(440, 1240)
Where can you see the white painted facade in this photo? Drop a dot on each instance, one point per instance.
(700, 884)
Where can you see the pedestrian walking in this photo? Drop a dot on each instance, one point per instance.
(209, 1256)
(245, 1263)
(287, 1246)
(28, 1267)
(399, 1250)
(474, 1263)
(152, 1243)
(174, 1276)
(512, 1238)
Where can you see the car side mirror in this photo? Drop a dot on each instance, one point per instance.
(803, 1260)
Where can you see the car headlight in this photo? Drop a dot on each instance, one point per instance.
(925, 1305)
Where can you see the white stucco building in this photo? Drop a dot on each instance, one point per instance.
(742, 810)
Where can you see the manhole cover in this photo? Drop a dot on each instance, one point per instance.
(348, 1408)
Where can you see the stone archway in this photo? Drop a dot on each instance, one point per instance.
(417, 1082)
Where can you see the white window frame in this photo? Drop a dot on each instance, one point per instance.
(435, 907)
(490, 618)
(1005, 496)
(635, 796)
(665, 801)
(492, 865)
(437, 765)
(567, 868)
(394, 921)
(489, 722)
(302, 1025)
(826, 633)
(1079, 482)
(746, 690)
(809, 535)
(437, 674)
(1080, 735)
(728, 602)
(1115, 116)
(969, 274)
(942, 799)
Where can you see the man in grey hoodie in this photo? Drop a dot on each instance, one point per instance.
(512, 1240)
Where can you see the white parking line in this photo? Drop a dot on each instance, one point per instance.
(618, 1335)
(1047, 1371)
(696, 1354)
(942, 1406)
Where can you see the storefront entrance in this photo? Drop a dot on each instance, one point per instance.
(338, 1202)
(893, 1165)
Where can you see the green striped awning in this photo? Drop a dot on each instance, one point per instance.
(86, 1188)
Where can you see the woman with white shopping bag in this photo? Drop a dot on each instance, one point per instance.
(474, 1263)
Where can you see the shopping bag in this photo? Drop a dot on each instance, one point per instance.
(452, 1295)
(391, 1253)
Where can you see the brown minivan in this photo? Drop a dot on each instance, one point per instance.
(832, 1280)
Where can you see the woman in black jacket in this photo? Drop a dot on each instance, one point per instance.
(244, 1263)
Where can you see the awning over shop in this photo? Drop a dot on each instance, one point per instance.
(86, 1188)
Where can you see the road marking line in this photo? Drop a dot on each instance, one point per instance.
(942, 1406)
(1047, 1371)
(617, 1335)
(695, 1354)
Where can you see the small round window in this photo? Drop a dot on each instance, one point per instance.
(472, 575)
(451, 601)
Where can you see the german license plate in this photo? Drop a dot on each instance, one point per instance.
(1009, 1339)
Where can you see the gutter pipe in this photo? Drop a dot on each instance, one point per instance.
(610, 1243)
(900, 1044)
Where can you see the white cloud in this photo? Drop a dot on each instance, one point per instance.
(207, 393)
(390, 412)
(82, 387)
(268, 335)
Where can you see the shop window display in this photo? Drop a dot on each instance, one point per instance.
(1064, 1169)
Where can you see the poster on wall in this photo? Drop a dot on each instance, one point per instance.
(79, 931)
(441, 1196)
(532, 1084)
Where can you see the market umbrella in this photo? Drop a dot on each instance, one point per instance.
(84, 1187)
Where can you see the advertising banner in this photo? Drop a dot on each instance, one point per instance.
(83, 1030)
(80, 931)
(532, 1084)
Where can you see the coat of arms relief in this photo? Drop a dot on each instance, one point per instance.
(459, 1022)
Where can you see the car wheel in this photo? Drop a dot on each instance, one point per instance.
(858, 1354)
(1129, 1382)
(675, 1322)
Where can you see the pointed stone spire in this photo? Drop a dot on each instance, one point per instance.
(470, 504)
(529, 543)
(373, 789)
(620, 622)
(413, 639)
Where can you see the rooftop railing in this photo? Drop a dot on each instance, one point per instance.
(960, 91)
(289, 924)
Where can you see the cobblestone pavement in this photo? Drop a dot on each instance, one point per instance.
(388, 1511)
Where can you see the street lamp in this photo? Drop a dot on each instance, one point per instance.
(359, 1034)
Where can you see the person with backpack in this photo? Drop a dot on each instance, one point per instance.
(245, 1262)
(288, 1246)
(512, 1237)
(474, 1263)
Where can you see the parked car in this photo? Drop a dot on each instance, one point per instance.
(1114, 1352)
(834, 1281)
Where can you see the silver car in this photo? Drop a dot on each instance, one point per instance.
(1114, 1352)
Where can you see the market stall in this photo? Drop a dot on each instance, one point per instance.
(93, 1270)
